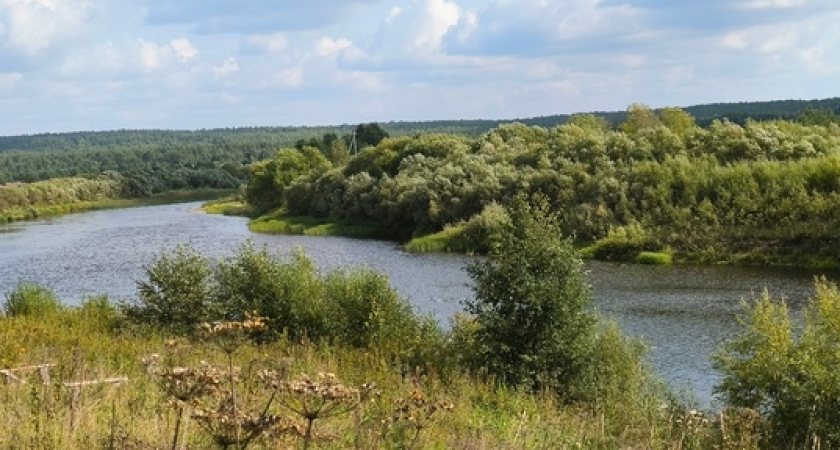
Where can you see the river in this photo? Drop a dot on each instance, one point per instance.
(683, 313)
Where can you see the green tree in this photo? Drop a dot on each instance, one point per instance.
(530, 306)
(175, 294)
(677, 120)
(639, 117)
(370, 134)
(31, 299)
(789, 378)
(590, 122)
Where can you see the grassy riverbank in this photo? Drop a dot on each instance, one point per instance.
(35, 211)
(127, 404)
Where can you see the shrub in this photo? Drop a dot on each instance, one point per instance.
(654, 258)
(287, 293)
(31, 299)
(622, 243)
(790, 379)
(532, 327)
(176, 294)
(98, 311)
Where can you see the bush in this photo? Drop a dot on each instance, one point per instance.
(176, 295)
(288, 294)
(31, 299)
(623, 243)
(532, 327)
(654, 258)
(791, 380)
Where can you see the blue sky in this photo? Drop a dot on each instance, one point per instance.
(71, 65)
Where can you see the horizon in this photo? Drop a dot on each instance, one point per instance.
(385, 123)
(189, 64)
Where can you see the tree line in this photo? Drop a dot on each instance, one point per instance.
(763, 192)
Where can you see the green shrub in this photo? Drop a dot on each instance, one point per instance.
(790, 378)
(532, 325)
(288, 294)
(98, 311)
(622, 243)
(654, 258)
(176, 294)
(31, 299)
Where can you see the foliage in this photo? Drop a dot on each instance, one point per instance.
(31, 299)
(654, 258)
(175, 295)
(788, 377)
(530, 306)
(755, 192)
(623, 243)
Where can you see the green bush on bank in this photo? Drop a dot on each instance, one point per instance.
(355, 308)
(789, 377)
(31, 299)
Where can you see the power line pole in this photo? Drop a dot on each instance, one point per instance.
(354, 147)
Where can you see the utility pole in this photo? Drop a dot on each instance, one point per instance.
(354, 147)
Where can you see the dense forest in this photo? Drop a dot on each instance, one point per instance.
(678, 181)
(765, 192)
(43, 156)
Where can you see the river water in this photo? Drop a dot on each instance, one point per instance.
(683, 313)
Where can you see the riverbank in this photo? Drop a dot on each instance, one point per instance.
(125, 382)
(454, 239)
(32, 212)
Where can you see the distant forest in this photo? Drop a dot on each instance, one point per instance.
(152, 161)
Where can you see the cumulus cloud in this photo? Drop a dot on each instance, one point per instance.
(32, 26)
(184, 49)
(414, 30)
(231, 65)
(327, 46)
(523, 27)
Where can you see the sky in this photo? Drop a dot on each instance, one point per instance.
(87, 65)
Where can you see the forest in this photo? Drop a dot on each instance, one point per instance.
(765, 192)
(690, 183)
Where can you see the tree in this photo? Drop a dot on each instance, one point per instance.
(789, 377)
(370, 134)
(530, 307)
(176, 294)
(590, 122)
(639, 117)
(677, 120)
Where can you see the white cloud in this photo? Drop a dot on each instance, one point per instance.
(437, 17)
(152, 55)
(184, 49)
(32, 26)
(541, 27)
(287, 78)
(772, 4)
(327, 46)
(231, 65)
(416, 30)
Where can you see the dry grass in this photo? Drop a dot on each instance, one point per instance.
(225, 392)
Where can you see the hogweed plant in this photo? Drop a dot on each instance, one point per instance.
(321, 397)
(414, 413)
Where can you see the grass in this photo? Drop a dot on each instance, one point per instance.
(654, 258)
(403, 410)
(448, 240)
(279, 222)
(177, 196)
(228, 206)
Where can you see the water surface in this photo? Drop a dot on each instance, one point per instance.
(684, 313)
